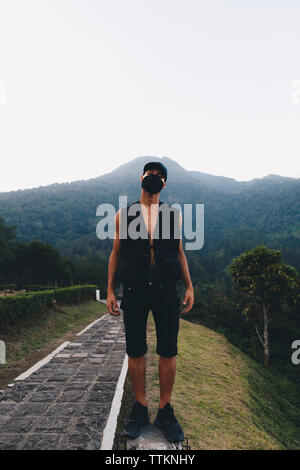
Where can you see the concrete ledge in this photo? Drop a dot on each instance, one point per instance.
(111, 425)
(152, 438)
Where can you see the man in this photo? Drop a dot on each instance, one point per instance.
(149, 267)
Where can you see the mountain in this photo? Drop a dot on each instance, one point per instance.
(238, 215)
(222, 183)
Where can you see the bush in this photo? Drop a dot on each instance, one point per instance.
(37, 287)
(33, 303)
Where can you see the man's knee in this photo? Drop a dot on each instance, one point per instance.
(167, 354)
(136, 354)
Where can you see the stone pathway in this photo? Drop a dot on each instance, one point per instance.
(65, 404)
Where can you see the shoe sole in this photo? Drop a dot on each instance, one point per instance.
(170, 439)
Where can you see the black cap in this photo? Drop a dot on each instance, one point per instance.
(156, 166)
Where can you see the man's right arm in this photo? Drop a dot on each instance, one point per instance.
(112, 268)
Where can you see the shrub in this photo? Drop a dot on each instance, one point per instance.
(33, 303)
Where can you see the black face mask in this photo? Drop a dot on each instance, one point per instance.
(152, 184)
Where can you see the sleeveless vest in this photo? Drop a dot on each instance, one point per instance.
(134, 261)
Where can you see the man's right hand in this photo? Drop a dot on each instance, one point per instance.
(112, 304)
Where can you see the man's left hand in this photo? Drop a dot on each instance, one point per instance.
(188, 300)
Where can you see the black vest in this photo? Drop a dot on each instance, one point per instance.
(134, 262)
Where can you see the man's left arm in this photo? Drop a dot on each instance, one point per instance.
(189, 289)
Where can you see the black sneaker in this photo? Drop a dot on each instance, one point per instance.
(168, 424)
(138, 418)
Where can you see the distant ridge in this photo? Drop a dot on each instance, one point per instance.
(134, 168)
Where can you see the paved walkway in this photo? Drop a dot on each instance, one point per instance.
(65, 404)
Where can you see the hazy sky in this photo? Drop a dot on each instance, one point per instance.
(86, 85)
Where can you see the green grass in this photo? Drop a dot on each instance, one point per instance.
(222, 398)
(44, 330)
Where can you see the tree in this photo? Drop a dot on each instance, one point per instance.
(44, 261)
(7, 236)
(264, 281)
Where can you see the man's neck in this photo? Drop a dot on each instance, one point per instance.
(148, 199)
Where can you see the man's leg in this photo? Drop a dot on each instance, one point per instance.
(166, 316)
(137, 373)
(165, 310)
(167, 371)
(135, 314)
(136, 310)
(165, 419)
(139, 416)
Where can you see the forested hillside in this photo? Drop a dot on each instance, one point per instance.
(265, 210)
(238, 217)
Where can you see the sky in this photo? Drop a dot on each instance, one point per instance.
(87, 85)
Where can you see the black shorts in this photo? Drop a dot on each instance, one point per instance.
(164, 302)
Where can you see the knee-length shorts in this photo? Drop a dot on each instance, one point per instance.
(163, 300)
